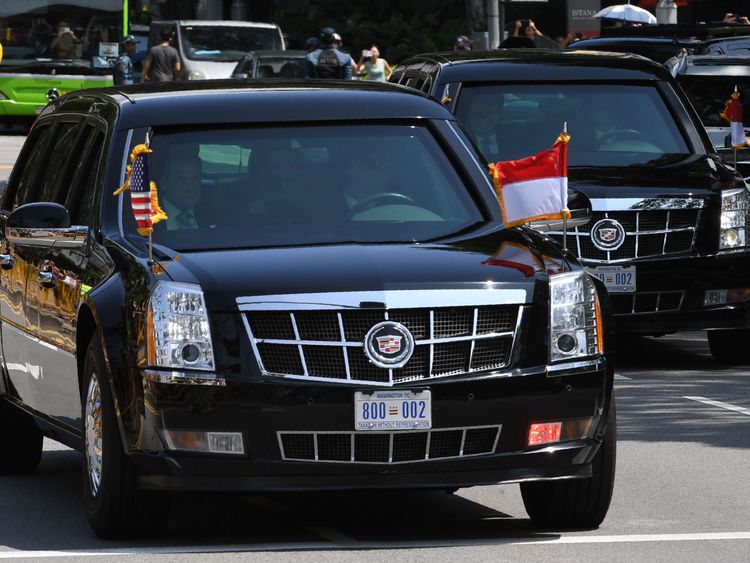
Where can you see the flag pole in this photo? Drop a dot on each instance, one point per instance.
(150, 234)
(734, 149)
(565, 215)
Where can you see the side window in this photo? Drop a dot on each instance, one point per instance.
(33, 161)
(81, 198)
(58, 162)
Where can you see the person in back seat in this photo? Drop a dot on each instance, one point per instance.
(482, 120)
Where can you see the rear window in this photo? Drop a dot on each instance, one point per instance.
(251, 187)
(609, 124)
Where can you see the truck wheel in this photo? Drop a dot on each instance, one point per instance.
(115, 506)
(20, 441)
(576, 503)
(730, 346)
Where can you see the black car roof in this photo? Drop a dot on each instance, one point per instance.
(272, 100)
(556, 65)
(696, 30)
(715, 65)
(612, 41)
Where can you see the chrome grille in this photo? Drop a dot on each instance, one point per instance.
(328, 344)
(646, 302)
(388, 447)
(648, 233)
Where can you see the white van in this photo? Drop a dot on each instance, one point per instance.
(211, 49)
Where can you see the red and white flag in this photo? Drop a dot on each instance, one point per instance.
(534, 188)
(733, 114)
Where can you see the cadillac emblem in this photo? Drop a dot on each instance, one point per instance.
(389, 345)
(607, 235)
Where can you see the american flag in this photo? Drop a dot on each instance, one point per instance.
(140, 192)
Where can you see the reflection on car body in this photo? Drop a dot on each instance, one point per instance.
(340, 309)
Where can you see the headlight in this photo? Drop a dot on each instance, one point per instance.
(178, 335)
(735, 207)
(575, 317)
(197, 75)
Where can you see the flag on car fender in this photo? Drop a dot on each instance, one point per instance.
(144, 198)
(733, 114)
(534, 188)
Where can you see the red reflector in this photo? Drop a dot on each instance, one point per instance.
(544, 433)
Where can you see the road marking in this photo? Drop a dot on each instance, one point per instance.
(719, 404)
(622, 377)
(550, 539)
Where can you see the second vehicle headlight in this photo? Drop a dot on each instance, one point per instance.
(178, 333)
(735, 218)
(575, 317)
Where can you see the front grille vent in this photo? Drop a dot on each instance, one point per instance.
(388, 447)
(646, 302)
(328, 345)
(648, 233)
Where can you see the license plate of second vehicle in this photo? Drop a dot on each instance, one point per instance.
(393, 410)
(618, 279)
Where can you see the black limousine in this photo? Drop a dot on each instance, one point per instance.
(332, 303)
(669, 231)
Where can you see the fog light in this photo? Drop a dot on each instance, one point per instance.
(566, 343)
(207, 442)
(731, 238)
(545, 433)
(190, 353)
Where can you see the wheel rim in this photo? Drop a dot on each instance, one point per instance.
(93, 433)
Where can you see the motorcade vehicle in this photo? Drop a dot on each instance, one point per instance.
(668, 232)
(661, 42)
(332, 303)
(271, 64)
(49, 44)
(709, 81)
(212, 49)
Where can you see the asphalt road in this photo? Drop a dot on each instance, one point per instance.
(682, 491)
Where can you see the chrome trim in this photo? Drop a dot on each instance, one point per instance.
(336, 343)
(573, 368)
(471, 151)
(182, 378)
(7, 261)
(120, 198)
(646, 204)
(391, 434)
(69, 237)
(389, 299)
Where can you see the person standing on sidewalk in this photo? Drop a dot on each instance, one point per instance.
(377, 69)
(123, 73)
(163, 61)
(328, 61)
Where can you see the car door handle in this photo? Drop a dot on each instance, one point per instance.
(46, 279)
(7, 261)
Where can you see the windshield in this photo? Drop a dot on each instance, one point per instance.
(226, 43)
(250, 187)
(66, 30)
(708, 94)
(609, 124)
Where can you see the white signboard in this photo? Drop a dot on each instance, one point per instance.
(108, 49)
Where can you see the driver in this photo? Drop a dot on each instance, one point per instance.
(369, 173)
(604, 118)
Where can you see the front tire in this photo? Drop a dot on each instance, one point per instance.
(577, 503)
(20, 441)
(115, 505)
(731, 347)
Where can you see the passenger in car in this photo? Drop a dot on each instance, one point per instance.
(180, 191)
(482, 120)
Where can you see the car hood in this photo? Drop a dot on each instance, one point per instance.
(506, 259)
(686, 176)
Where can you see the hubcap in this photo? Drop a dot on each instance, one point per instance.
(93, 434)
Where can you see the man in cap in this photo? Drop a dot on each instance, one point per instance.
(328, 61)
(124, 66)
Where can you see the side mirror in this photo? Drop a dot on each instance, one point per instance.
(580, 214)
(44, 224)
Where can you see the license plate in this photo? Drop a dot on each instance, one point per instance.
(392, 410)
(618, 279)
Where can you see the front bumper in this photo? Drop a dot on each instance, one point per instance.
(681, 285)
(264, 407)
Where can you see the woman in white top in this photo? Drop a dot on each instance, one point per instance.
(377, 69)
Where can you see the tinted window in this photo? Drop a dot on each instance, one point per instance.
(37, 144)
(304, 185)
(610, 125)
(81, 199)
(280, 67)
(58, 162)
(708, 94)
